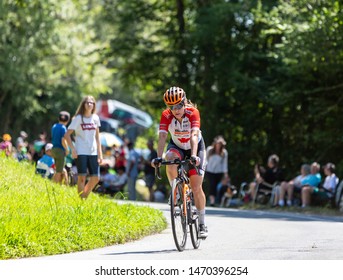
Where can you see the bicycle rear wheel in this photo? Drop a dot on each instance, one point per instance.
(178, 219)
(194, 226)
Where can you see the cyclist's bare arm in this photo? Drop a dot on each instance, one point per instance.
(162, 139)
(194, 143)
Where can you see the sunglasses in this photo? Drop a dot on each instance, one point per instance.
(90, 103)
(177, 107)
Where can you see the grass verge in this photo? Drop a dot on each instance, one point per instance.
(39, 217)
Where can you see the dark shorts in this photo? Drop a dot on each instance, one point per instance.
(59, 156)
(149, 180)
(213, 181)
(90, 163)
(201, 153)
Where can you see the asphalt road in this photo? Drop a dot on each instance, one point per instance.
(236, 235)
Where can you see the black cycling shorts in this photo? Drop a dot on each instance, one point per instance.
(201, 153)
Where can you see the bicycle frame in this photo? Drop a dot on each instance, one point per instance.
(183, 213)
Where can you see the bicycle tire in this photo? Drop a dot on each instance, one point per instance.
(194, 225)
(178, 219)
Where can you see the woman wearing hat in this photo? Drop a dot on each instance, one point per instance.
(217, 165)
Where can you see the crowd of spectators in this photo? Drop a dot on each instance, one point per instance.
(123, 165)
(269, 184)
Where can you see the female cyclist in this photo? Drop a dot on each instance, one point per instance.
(182, 120)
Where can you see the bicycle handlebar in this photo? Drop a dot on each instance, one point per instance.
(175, 162)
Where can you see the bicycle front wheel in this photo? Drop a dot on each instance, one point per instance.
(178, 218)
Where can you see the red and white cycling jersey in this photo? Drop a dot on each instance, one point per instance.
(181, 132)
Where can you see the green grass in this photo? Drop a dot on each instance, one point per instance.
(38, 217)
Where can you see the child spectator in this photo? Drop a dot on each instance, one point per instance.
(46, 164)
(6, 144)
(38, 145)
(60, 146)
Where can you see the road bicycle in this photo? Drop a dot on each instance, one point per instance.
(184, 215)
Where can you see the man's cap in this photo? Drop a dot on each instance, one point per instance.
(48, 146)
(64, 116)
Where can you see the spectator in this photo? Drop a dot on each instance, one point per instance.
(120, 158)
(160, 193)
(38, 145)
(22, 140)
(6, 144)
(310, 184)
(225, 191)
(87, 148)
(112, 183)
(109, 158)
(327, 191)
(149, 171)
(217, 166)
(22, 147)
(132, 170)
(292, 186)
(266, 178)
(46, 164)
(60, 149)
(22, 153)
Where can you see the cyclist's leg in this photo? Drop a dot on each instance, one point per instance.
(196, 181)
(199, 195)
(200, 202)
(173, 152)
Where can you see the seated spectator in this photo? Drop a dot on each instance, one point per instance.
(160, 193)
(288, 188)
(38, 145)
(225, 191)
(112, 183)
(120, 158)
(310, 184)
(6, 144)
(327, 191)
(46, 164)
(22, 140)
(22, 153)
(266, 178)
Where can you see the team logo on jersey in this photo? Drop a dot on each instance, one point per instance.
(183, 140)
(88, 126)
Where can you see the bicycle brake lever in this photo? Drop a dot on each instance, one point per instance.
(157, 173)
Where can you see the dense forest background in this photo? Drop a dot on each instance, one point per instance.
(267, 75)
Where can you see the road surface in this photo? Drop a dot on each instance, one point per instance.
(236, 235)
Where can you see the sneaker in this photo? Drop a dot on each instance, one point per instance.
(203, 233)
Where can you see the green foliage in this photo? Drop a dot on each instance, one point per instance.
(50, 58)
(267, 75)
(40, 218)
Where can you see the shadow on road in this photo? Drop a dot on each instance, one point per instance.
(142, 252)
(265, 214)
